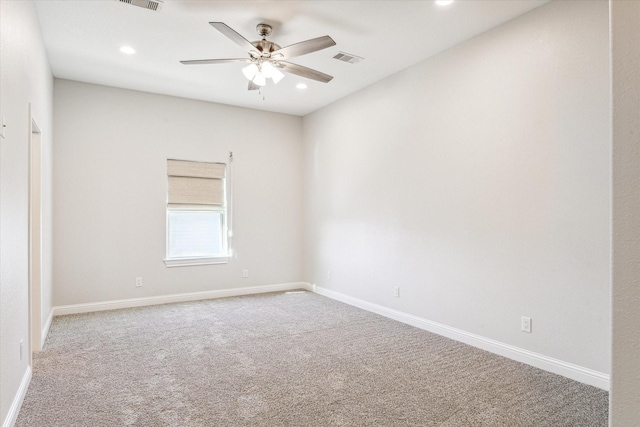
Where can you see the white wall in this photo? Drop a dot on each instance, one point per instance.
(25, 77)
(111, 147)
(625, 378)
(479, 182)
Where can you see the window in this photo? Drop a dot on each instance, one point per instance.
(197, 213)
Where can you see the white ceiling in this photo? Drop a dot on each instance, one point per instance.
(83, 38)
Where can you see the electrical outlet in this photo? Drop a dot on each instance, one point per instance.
(138, 282)
(396, 291)
(525, 324)
(245, 273)
(314, 287)
(21, 348)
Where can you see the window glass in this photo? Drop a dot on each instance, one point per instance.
(195, 234)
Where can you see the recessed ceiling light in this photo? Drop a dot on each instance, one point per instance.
(444, 2)
(301, 86)
(128, 50)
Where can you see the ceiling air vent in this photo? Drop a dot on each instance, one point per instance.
(347, 57)
(147, 4)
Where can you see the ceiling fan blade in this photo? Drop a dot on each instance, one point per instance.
(214, 61)
(302, 48)
(253, 86)
(301, 71)
(233, 36)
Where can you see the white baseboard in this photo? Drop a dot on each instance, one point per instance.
(45, 329)
(167, 299)
(556, 366)
(12, 415)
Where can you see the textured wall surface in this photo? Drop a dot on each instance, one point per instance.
(479, 182)
(625, 371)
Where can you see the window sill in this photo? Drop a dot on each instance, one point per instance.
(185, 262)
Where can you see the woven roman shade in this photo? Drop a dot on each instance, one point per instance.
(195, 183)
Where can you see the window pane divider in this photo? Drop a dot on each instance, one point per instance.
(184, 262)
(185, 207)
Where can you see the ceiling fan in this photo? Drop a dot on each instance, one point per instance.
(267, 59)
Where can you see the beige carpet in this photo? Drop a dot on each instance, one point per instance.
(284, 360)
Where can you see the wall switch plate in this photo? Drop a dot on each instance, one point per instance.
(3, 126)
(245, 273)
(525, 324)
(396, 291)
(329, 275)
(138, 282)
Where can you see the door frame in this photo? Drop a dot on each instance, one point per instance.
(35, 236)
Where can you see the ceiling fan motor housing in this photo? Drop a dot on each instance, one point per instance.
(265, 46)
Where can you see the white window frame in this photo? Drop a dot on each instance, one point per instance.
(199, 260)
(225, 232)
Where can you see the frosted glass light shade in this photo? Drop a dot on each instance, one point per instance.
(250, 71)
(267, 69)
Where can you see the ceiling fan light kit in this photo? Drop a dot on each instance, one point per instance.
(267, 59)
(258, 72)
